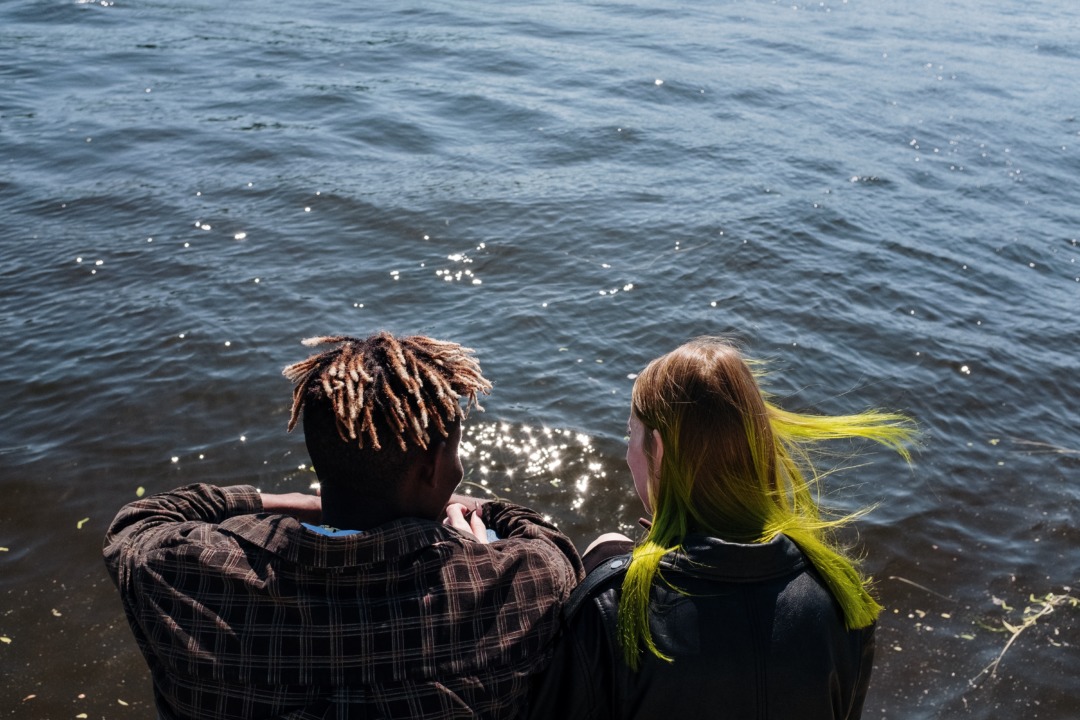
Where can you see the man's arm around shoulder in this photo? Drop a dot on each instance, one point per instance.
(142, 525)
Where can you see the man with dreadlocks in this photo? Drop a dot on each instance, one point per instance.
(378, 600)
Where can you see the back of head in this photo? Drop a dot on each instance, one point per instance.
(737, 467)
(370, 405)
(718, 468)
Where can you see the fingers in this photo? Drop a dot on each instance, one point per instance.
(455, 517)
(479, 529)
(474, 525)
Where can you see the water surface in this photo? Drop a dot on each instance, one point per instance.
(878, 197)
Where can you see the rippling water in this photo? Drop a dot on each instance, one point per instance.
(879, 197)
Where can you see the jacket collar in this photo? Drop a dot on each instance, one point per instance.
(717, 559)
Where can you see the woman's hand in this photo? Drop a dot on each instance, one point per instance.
(466, 520)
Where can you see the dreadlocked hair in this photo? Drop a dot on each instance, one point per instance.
(404, 386)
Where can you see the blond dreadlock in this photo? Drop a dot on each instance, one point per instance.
(405, 385)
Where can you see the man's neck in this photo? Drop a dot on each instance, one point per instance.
(352, 511)
(363, 517)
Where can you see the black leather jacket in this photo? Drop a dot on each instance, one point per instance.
(754, 634)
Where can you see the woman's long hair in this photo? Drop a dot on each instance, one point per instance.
(736, 467)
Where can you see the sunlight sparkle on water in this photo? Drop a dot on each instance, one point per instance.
(452, 275)
(507, 457)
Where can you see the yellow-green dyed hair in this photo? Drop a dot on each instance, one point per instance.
(735, 466)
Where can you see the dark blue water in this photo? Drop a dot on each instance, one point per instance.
(879, 197)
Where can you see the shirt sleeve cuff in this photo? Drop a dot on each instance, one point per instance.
(242, 499)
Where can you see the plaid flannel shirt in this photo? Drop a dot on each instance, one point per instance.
(245, 614)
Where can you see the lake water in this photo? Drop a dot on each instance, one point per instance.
(879, 197)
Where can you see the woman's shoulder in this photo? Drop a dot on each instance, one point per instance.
(603, 580)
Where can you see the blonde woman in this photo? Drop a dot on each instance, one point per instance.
(737, 603)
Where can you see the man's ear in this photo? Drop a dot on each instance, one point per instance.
(438, 457)
(424, 469)
(424, 494)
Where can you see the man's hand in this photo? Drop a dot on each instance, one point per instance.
(471, 503)
(304, 507)
(466, 520)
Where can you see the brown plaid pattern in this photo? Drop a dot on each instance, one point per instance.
(243, 614)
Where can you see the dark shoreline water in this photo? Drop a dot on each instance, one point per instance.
(878, 198)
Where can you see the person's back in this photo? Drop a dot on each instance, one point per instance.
(375, 607)
(751, 630)
(253, 615)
